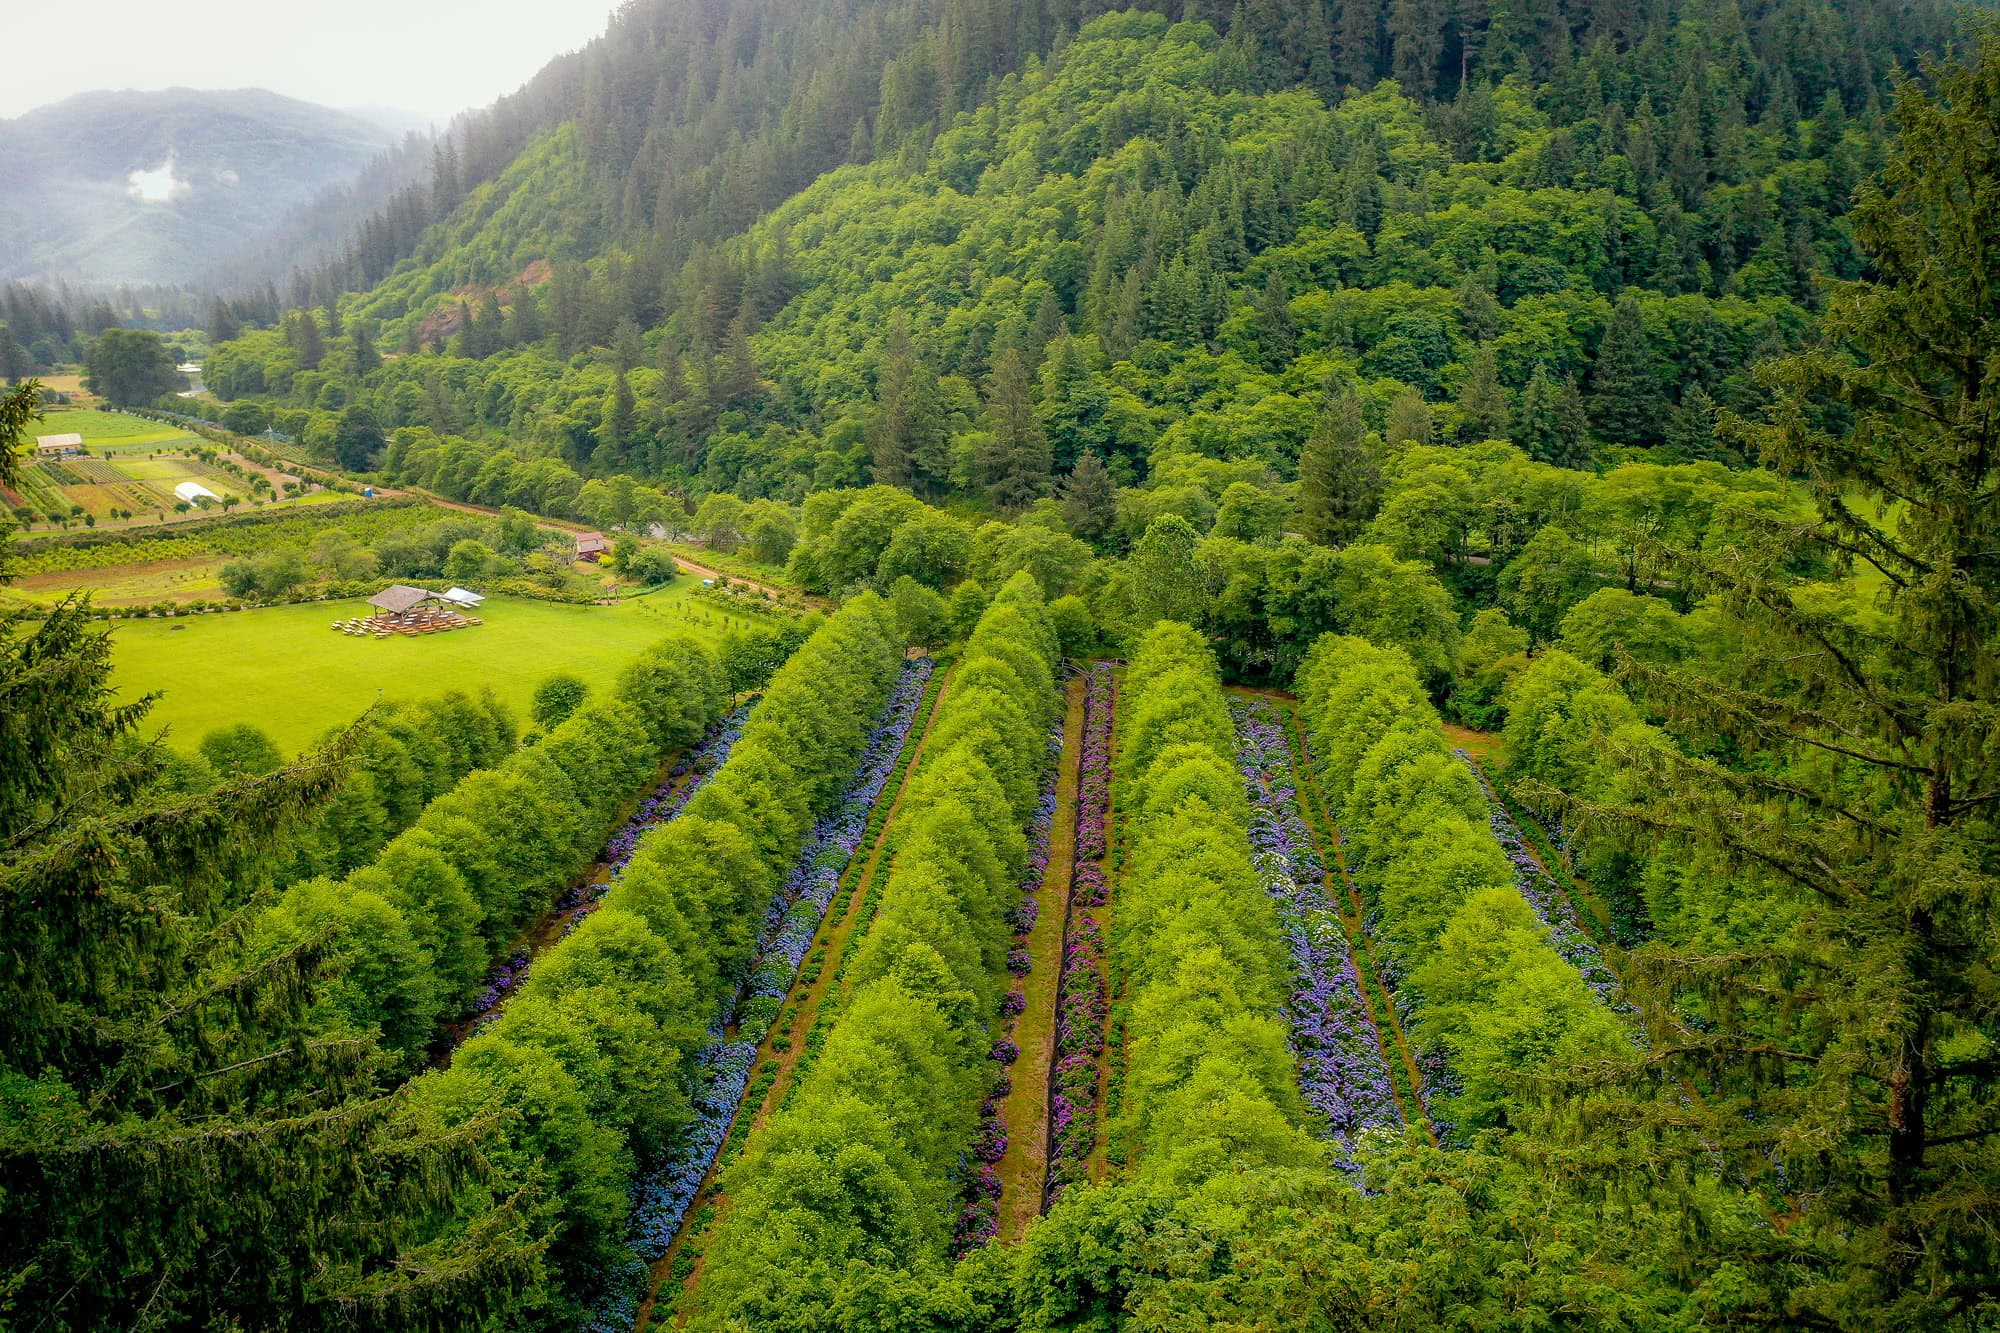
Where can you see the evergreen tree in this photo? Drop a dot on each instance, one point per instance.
(615, 427)
(1691, 427)
(1276, 333)
(1483, 408)
(909, 440)
(1626, 405)
(1018, 472)
(1550, 423)
(1339, 483)
(366, 359)
(1855, 1050)
(307, 344)
(1073, 404)
(1409, 420)
(1089, 500)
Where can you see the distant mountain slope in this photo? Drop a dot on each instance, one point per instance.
(162, 187)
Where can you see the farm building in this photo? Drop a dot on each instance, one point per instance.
(591, 546)
(58, 446)
(193, 492)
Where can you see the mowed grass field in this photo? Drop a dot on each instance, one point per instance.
(286, 670)
(111, 432)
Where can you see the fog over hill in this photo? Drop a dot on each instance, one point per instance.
(163, 187)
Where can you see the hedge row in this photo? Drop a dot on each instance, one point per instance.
(1209, 1083)
(586, 1072)
(853, 1184)
(1490, 1001)
(419, 927)
(411, 754)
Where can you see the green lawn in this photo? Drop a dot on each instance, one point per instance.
(287, 671)
(106, 432)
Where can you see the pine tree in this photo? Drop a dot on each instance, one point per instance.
(888, 442)
(1073, 405)
(1855, 1051)
(1276, 333)
(1021, 460)
(1691, 427)
(1340, 486)
(1089, 500)
(1409, 420)
(306, 341)
(1482, 401)
(366, 359)
(1625, 401)
(614, 430)
(1550, 424)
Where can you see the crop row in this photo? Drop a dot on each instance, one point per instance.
(979, 1212)
(1488, 999)
(448, 897)
(862, 1171)
(1553, 906)
(663, 1194)
(1083, 999)
(811, 1004)
(598, 1066)
(1342, 1069)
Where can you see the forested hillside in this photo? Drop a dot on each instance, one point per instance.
(1180, 243)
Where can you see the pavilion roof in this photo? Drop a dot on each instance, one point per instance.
(399, 598)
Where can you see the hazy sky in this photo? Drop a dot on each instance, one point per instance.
(433, 57)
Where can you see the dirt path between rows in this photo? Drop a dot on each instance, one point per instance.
(1024, 1170)
(834, 936)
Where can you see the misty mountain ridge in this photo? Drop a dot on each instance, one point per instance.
(107, 188)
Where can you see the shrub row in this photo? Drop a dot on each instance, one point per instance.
(418, 927)
(410, 755)
(586, 1072)
(1209, 1083)
(854, 1182)
(1489, 999)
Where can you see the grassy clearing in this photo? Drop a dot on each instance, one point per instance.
(287, 671)
(109, 432)
(128, 585)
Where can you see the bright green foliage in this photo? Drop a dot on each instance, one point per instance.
(1209, 1084)
(851, 1184)
(556, 698)
(179, 1132)
(1490, 995)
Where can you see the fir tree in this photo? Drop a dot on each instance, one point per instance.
(1626, 405)
(1482, 401)
(1339, 483)
(1276, 333)
(1018, 469)
(1409, 420)
(1073, 405)
(1089, 500)
(307, 344)
(1856, 1050)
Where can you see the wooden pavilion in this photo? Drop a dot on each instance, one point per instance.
(403, 609)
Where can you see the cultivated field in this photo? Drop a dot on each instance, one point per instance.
(132, 466)
(287, 671)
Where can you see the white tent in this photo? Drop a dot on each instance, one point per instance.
(191, 491)
(463, 596)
